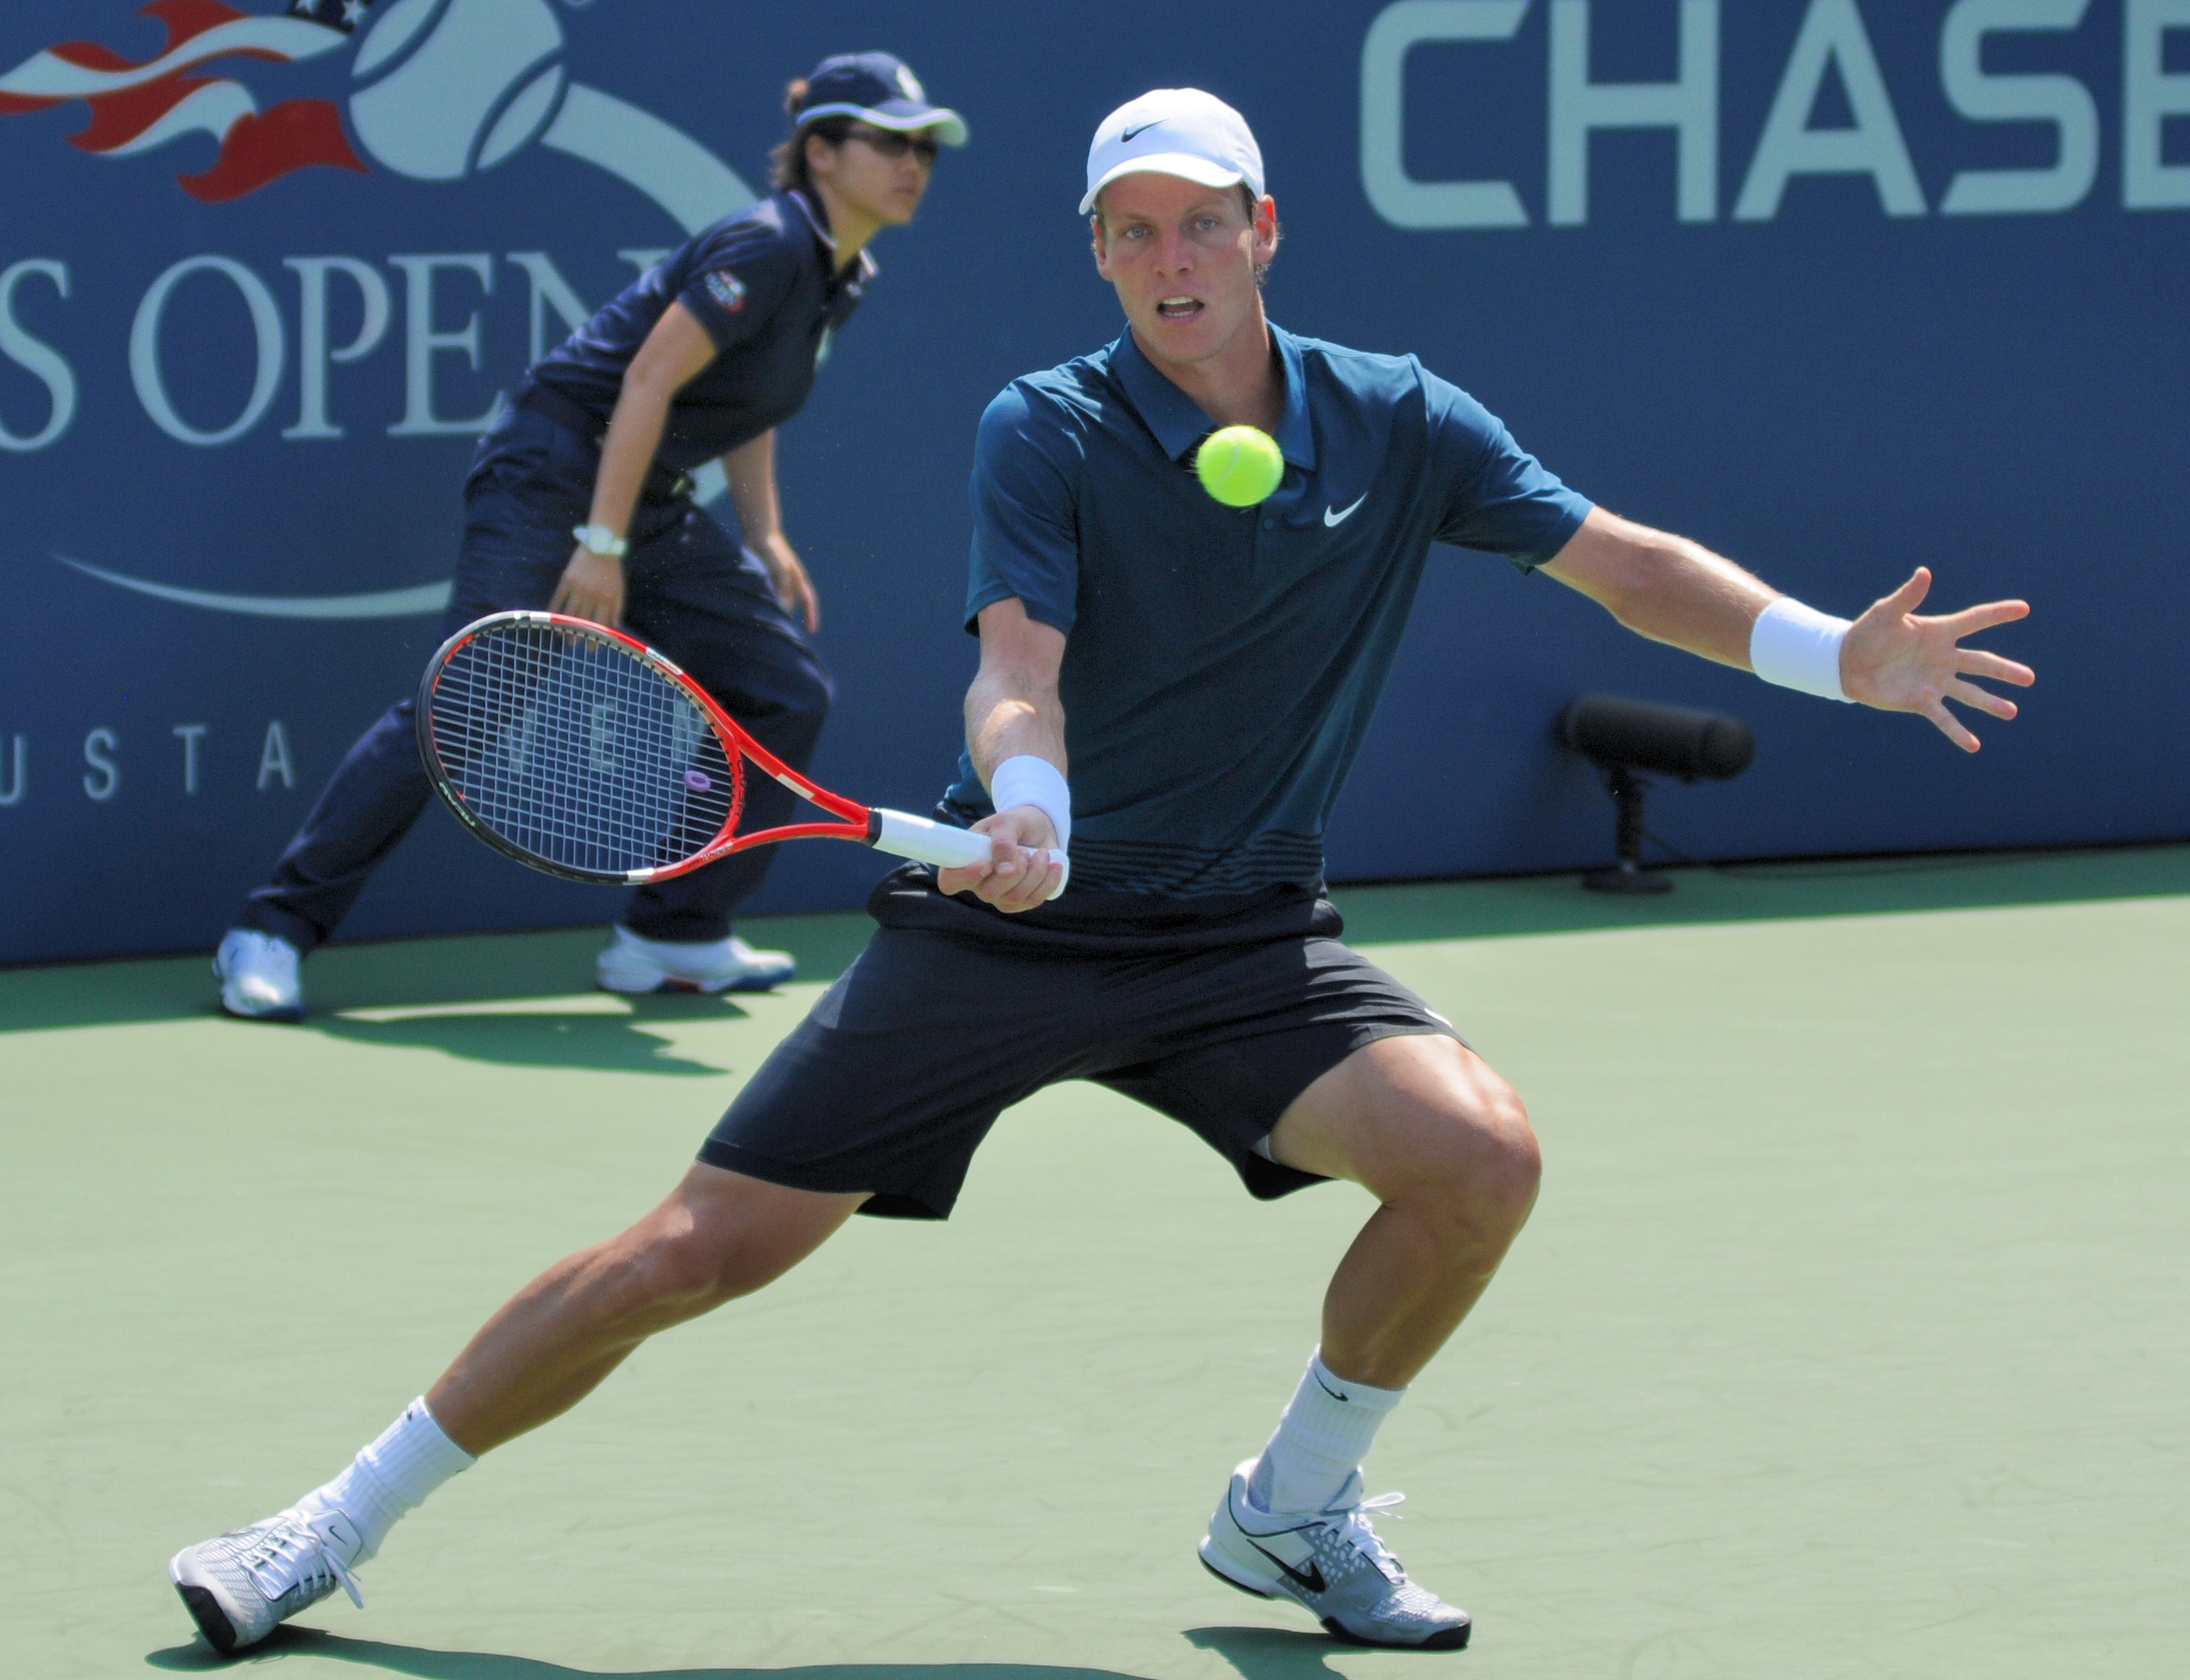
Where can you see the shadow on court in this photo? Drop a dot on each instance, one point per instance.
(1275, 1653)
(1258, 1653)
(417, 974)
(396, 974)
(611, 1038)
(197, 1657)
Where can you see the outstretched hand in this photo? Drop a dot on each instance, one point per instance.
(1899, 663)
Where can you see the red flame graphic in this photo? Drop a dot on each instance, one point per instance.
(131, 99)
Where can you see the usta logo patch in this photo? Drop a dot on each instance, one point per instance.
(727, 289)
(439, 90)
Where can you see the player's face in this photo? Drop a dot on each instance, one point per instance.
(877, 172)
(1182, 257)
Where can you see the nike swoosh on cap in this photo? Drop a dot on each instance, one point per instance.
(1128, 133)
(1333, 517)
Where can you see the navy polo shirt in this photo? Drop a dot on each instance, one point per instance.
(1222, 664)
(764, 284)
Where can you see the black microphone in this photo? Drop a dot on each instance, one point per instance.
(1623, 737)
(1669, 740)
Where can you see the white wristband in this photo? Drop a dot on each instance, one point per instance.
(1029, 779)
(1798, 647)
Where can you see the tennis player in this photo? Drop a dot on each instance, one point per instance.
(1212, 672)
(703, 357)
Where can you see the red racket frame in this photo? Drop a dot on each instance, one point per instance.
(892, 832)
(859, 820)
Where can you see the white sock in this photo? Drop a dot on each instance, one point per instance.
(1321, 1440)
(391, 1478)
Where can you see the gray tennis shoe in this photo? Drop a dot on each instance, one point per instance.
(1332, 1565)
(241, 1586)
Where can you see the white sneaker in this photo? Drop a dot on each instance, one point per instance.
(630, 963)
(241, 1586)
(1332, 1565)
(257, 976)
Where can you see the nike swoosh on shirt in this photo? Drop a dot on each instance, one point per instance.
(1309, 1579)
(1129, 134)
(1334, 516)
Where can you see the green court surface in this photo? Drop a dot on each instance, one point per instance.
(1850, 1337)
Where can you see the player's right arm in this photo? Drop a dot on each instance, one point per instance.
(1023, 590)
(1012, 710)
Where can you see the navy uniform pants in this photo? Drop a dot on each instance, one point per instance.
(692, 590)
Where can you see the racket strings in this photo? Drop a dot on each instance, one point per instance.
(569, 747)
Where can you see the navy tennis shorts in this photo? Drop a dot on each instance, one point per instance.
(955, 1011)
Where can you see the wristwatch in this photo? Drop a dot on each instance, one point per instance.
(600, 540)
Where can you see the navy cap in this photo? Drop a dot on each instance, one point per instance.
(877, 87)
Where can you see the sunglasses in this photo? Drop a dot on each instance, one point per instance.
(888, 143)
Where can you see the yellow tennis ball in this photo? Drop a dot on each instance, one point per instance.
(1239, 465)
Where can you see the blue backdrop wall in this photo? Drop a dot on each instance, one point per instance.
(1834, 286)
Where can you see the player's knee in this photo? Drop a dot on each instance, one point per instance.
(1514, 1168)
(700, 1261)
(1485, 1175)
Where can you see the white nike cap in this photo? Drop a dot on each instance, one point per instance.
(1174, 131)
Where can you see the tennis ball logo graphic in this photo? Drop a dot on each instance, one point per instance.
(1239, 465)
(447, 86)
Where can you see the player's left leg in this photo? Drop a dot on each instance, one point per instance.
(1444, 1145)
(696, 596)
(1424, 1125)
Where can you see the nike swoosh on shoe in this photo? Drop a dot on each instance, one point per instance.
(1309, 1579)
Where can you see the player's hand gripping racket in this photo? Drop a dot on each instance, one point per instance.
(583, 752)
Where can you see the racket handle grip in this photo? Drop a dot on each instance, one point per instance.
(938, 843)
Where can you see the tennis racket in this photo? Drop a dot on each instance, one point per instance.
(583, 752)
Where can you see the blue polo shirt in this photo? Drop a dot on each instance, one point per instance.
(765, 285)
(1222, 664)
